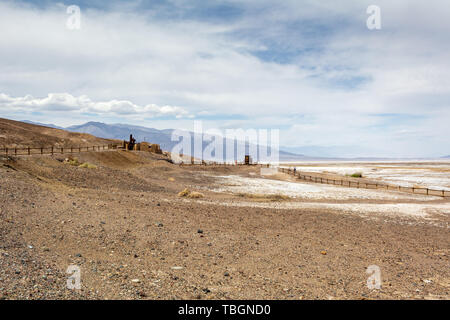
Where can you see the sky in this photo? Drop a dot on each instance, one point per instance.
(311, 69)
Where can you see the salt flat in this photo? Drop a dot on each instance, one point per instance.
(301, 190)
(429, 174)
(363, 202)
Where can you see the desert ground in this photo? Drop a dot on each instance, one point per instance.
(234, 234)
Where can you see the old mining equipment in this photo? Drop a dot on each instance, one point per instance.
(129, 145)
(248, 160)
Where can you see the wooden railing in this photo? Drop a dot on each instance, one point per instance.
(28, 151)
(365, 185)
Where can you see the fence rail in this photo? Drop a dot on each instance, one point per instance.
(366, 185)
(53, 150)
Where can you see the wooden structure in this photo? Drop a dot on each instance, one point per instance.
(149, 147)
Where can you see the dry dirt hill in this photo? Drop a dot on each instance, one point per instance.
(16, 134)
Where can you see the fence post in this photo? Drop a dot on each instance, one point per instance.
(15, 151)
(6, 150)
(42, 150)
(52, 150)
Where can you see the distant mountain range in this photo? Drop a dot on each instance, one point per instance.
(123, 131)
(161, 137)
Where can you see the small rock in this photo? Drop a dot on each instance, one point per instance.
(78, 255)
(323, 252)
(199, 231)
(142, 294)
(135, 280)
(226, 274)
(176, 268)
(159, 224)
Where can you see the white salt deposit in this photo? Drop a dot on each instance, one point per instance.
(428, 175)
(238, 184)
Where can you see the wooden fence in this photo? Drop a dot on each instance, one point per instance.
(53, 150)
(223, 164)
(366, 185)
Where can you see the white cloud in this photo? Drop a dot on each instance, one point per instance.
(126, 64)
(65, 102)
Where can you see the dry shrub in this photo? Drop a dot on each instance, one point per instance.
(270, 197)
(356, 175)
(190, 194)
(72, 161)
(184, 193)
(87, 165)
(195, 195)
